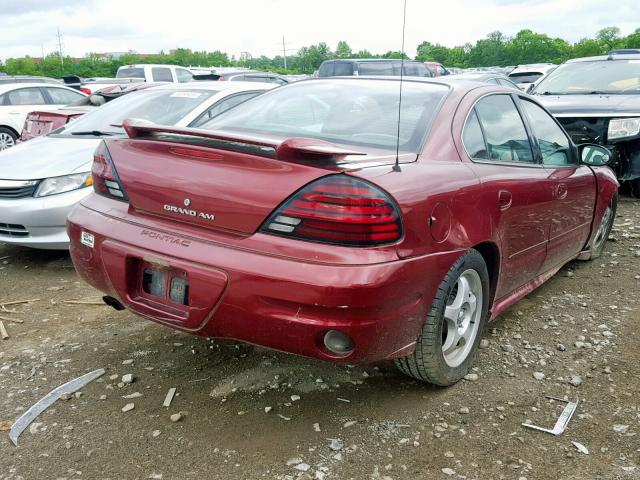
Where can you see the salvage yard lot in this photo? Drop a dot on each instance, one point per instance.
(580, 330)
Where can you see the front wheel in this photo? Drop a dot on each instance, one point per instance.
(7, 138)
(446, 347)
(604, 228)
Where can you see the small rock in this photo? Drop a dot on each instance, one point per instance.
(294, 461)
(65, 396)
(128, 407)
(464, 410)
(336, 444)
(155, 433)
(620, 428)
(316, 427)
(484, 343)
(128, 361)
(581, 448)
(350, 423)
(103, 397)
(127, 379)
(77, 394)
(538, 375)
(295, 398)
(267, 409)
(133, 395)
(507, 348)
(471, 377)
(448, 471)
(303, 467)
(561, 347)
(176, 417)
(576, 380)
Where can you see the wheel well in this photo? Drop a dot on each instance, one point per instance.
(491, 255)
(9, 128)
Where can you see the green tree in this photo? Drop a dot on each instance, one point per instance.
(343, 50)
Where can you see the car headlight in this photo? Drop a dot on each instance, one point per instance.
(66, 183)
(623, 127)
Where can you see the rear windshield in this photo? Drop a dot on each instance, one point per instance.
(353, 112)
(164, 107)
(130, 73)
(602, 76)
(525, 77)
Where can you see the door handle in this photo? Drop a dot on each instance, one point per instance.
(562, 191)
(504, 199)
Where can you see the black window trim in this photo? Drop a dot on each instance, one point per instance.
(537, 161)
(538, 152)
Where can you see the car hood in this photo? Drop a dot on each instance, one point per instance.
(591, 105)
(47, 157)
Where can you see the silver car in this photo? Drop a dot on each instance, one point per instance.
(42, 179)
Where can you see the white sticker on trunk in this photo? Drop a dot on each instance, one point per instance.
(86, 239)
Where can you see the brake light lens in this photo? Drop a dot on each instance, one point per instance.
(105, 177)
(85, 90)
(339, 210)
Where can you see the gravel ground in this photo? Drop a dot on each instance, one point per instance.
(247, 413)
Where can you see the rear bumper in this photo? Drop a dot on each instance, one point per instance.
(276, 302)
(38, 222)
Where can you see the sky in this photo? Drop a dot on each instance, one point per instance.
(28, 27)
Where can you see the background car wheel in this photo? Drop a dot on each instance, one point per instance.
(450, 336)
(7, 138)
(604, 228)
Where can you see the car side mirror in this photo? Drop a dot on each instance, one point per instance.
(530, 88)
(594, 155)
(97, 100)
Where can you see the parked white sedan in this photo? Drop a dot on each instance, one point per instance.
(42, 179)
(18, 99)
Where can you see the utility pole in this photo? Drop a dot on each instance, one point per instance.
(60, 52)
(284, 52)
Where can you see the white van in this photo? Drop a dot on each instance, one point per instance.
(149, 72)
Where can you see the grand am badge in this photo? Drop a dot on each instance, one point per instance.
(189, 212)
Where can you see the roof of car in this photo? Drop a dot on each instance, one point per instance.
(534, 67)
(612, 57)
(371, 60)
(7, 87)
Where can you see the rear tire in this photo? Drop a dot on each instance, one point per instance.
(604, 229)
(7, 138)
(446, 347)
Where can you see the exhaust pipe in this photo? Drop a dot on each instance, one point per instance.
(113, 302)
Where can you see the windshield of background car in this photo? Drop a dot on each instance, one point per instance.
(130, 73)
(362, 112)
(164, 107)
(603, 76)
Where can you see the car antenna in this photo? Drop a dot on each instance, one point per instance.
(396, 167)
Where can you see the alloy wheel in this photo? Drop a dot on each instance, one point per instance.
(462, 317)
(6, 141)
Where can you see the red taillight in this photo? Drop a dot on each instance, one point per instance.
(105, 177)
(339, 210)
(85, 90)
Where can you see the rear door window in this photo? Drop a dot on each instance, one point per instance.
(326, 69)
(473, 139)
(61, 96)
(161, 74)
(505, 133)
(26, 96)
(183, 75)
(132, 72)
(343, 69)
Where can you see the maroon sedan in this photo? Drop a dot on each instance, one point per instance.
(308, 220)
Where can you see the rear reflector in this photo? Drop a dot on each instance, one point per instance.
(339, 210)
(105, 177)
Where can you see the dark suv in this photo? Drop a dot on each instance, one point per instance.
(597, 100)
(376, 66)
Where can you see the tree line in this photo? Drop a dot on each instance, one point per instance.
(496, 49)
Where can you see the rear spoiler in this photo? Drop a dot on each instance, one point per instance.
(71, 80)
(289, 150)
